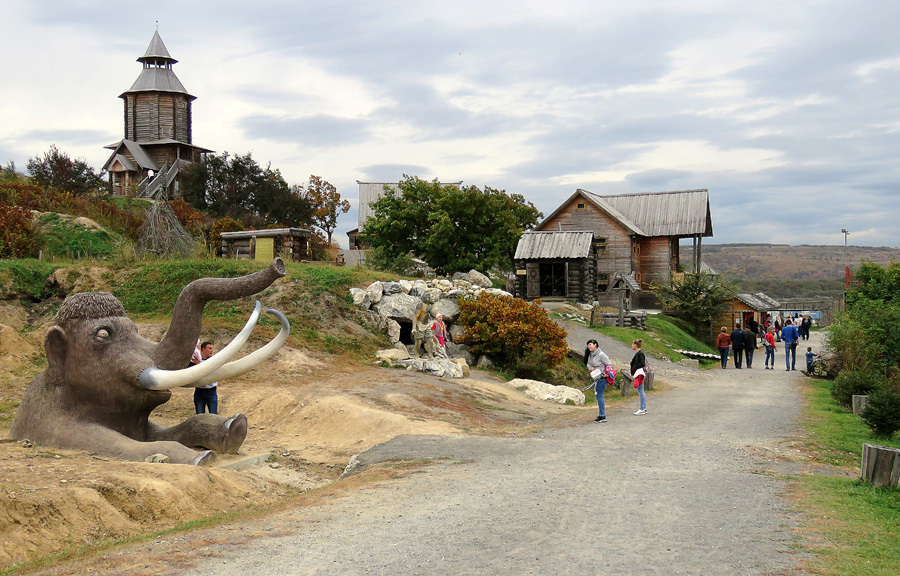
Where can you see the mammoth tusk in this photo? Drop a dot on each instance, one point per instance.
(154, 378)
(250, 360)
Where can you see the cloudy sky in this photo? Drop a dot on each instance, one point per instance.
(788, 112)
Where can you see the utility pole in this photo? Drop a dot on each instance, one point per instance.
(846, 262)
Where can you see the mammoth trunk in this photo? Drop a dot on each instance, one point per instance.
(174, 351)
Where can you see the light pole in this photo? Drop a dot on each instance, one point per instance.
(846, 266)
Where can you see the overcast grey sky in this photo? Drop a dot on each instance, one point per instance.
(788, 112)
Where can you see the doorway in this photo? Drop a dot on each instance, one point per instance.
(553, 279)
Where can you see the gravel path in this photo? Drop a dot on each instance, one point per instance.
(689, 488)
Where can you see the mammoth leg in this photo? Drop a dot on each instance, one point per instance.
(210, 431)
(106, 442)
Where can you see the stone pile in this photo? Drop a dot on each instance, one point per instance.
(384, 306)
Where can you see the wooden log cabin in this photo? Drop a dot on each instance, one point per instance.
(263, 245)
(556, 265)
(636, 235)
(158, 135)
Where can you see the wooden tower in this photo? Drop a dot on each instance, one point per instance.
(158, 136)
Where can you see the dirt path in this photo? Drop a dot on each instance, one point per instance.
(690, 488)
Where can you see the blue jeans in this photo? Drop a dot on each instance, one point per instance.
(790, 355)
(748, 355)
(723, 352)
(770, 353)
(643, 396)
(599, 390)
(204, 397)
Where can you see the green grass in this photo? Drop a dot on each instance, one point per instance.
(835, 435)
(664, 334)
(860, 524)
(24, 278)
(63, 238)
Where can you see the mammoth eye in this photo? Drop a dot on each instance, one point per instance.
(102, 334)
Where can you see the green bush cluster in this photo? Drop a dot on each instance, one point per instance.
(882, 412)
(854, 382)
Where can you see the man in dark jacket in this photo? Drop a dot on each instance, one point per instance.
(737, 345)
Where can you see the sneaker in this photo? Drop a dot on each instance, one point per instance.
(640, 412)
(600, 419)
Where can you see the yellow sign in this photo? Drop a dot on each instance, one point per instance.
(265, 249)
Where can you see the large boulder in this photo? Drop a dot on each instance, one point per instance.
(373, 320)
(548, 392)
(479, 279)
(405, 286)
(398, 307)
(392, 329)
(449, 309)
(360, 298)
(443, 367)
(375, 290)
(391, 355)
(392, 288)
(430, 295)
(498, 292)
(443, 284)
(456, 332)
(485, 362)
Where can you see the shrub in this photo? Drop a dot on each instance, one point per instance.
(226, 224)
(518, 335)
(16, 240)
(190, 218)
(851, 382)
(882, 412)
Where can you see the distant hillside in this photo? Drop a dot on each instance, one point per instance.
(792, 271)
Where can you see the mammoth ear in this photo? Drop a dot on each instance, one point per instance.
(56, 345)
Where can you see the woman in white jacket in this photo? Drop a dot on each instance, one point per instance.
(595, 359)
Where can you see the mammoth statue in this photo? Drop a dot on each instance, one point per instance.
(103, 379)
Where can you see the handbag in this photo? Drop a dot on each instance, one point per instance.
(596, 373)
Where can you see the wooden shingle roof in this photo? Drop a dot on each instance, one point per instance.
(677, 213)
(534, 245)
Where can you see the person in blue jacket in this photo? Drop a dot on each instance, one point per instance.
(790, 336)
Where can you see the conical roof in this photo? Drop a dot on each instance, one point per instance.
(156, 51)
(157, 75)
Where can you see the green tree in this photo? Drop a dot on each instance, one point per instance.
(56, 170)
(327, 203)
(698, 299)
(451, 228)
(238, 187)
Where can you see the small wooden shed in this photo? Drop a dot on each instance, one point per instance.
(746, 307)
(556, 265)
(263, 245)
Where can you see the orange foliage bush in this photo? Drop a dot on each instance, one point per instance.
(189, 217)
(15, 232)
(226, 224)
(510, 330)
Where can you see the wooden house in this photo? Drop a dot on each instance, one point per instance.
(746, 307)
(263, 245)
(157, 144)
(556, 265)
(634, 234)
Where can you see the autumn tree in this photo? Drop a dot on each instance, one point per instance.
(327, 203)
(56, 170)
(453, 228)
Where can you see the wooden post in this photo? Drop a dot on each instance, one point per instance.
(859, 402)
(880, 465)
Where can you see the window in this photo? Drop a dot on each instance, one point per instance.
(581, 205)
(600, 246)
(637, 278)
(635, 248)
(603, 281)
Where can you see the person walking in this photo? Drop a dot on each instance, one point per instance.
(737, 345)
(749, 347)
(769, 341)
(790, 336)
(638, 362)
(722, 344)
(805, 325)
(596, 361)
